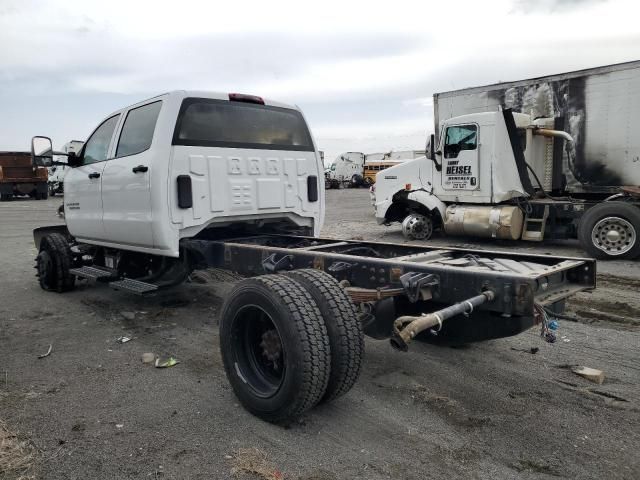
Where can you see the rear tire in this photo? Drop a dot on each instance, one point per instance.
(610, 231)
(53, 263)
(274, 347)
(346, 337)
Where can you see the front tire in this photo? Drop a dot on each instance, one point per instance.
(417, 227)
(53, 263)
(610, 231)
(346, 337)
(274, 347)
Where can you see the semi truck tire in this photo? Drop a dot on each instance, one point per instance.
(274, 347)
(610, 230)
(416, 226)
(5, 197)
(356, 180)
(346, 337)
(53, 263)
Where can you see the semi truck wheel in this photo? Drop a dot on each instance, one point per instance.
(5, 197)
(53, 263)
(346, 337)
(417, 227)
(274, 347)
(610, 230)
(356, 180)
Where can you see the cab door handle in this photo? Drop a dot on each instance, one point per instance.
(140, 168)
(94, 175)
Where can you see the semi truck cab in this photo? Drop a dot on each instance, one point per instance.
(491, 175)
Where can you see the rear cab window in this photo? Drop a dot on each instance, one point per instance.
(138, 128)
(221, 123)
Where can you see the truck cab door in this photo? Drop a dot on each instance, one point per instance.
(83, 184)
(460, 170)
(126, 186)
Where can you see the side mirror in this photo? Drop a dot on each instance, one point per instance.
(41, 151)
(73, 160)
(431, 147)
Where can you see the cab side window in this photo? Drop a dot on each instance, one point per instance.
(458, 138)
(97, 147)
(138, 129)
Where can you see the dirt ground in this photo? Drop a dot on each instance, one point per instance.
(92, 409)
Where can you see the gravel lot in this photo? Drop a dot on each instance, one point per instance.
(93, 410)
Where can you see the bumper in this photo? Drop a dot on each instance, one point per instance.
(380, 209)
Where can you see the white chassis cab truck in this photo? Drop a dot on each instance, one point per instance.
(483, 180)
(196, 180)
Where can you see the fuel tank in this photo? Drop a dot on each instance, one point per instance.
(499, 221)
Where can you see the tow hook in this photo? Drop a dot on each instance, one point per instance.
(406, 328)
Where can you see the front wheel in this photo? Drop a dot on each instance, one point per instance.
(274, 347)
(417, 227)
(610, 231)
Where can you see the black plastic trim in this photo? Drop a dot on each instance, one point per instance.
(185, 195)
(312, 188)
(518, 154)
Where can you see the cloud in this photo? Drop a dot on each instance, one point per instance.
(365, 74)
(551, 6)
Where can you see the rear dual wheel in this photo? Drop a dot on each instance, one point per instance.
(53, 263)
(610, 230)
(285, 346)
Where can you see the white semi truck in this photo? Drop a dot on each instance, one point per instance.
(58, 171)
(193, 180)
(567, 166)
(355, 169)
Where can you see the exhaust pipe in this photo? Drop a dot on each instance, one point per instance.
(406, 328)
(545, 132)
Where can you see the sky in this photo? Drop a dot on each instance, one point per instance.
(363, 72)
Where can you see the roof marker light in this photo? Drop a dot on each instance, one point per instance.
(241, 97)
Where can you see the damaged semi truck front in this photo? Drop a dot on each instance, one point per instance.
(194, 180)
(565, 163)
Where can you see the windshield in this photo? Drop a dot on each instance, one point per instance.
(221, 123)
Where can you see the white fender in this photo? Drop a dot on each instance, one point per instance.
(428, 200)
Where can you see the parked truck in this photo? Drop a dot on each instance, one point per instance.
(566, 165)
(19, 176)
(195, 180)
(356, 169)
(58, 171)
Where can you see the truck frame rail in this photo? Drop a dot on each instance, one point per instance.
(442, 275)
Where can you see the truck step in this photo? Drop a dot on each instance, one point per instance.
(133, 286)
(535, 234)
(92, 273)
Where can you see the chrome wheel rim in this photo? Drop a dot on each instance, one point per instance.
(614, 235)
(417, 227)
